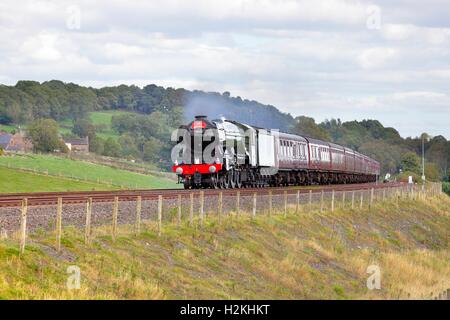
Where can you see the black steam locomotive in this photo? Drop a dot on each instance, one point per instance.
(228, 154)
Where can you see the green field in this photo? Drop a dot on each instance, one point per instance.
(13, 181)
(7, 128)
(102, 119)
(60, 166)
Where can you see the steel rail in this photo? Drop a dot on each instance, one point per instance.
(73, 197)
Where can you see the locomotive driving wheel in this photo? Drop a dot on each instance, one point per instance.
(232, 179)
(227, 180)
(237, 176)
(223, 182)
(214, 181)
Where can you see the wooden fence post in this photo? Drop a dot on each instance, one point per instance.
(58, 224)
(397, 198)
(384, 194)
(23, 225)
(321, 201)
(254, 205)
(362, 198)
(138, 214)
(179, 210)
(202, 195)
(332, 200)
(238, 200)
(191, 209)
(353, 199)
(87, 230)
(114, 218)
(160, 198)
(219, 204)
(371, 198)
(310, 200)
(285, 203)
(343, 200)
(298, 201)
(270, 202)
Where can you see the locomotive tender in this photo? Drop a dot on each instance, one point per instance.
(228, 154)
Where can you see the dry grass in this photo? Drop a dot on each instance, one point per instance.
(308, 255)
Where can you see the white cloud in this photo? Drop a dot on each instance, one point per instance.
(376, 57)
(41, 48)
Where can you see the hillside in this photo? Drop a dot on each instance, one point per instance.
(28, 100)
(101, 119)
(304, 256)
(132, 122)
(104, 177)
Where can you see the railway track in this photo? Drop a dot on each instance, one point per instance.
(51, 198)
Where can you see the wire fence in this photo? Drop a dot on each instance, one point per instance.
(190, 209)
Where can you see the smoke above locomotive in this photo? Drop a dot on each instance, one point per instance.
(224, 153)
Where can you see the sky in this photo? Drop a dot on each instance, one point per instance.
(384, 60)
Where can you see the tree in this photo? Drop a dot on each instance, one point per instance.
(432, 171)
(111, 148)
(97, 145)
(411, 162)
(307, 126)
(44, 134)
(152, 149)
(84, 128)
(387, 154)
(128, 146)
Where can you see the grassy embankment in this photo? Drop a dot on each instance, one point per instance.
(99, 176)
(301, 256)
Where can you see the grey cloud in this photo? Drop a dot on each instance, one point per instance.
(314, 58)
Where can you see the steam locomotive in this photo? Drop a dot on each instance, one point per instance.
(229, 154)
